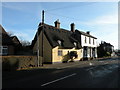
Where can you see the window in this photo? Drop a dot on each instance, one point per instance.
(59, 42)
(93, 42)
(0, 37)
(3, 50)
(0, 50)
(85, 40)
(59, 52)
(89, 40)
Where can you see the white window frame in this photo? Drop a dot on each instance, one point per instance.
(0, 50)
(59, 52)
(3, 48)
(59, 42)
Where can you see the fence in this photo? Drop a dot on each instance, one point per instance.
(10, 63)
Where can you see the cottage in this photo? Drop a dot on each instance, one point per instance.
(57, 45)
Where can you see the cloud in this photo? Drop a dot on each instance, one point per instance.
(105, 28)
(103, 20)
(25, 34)
(14, 7)
(22, 34)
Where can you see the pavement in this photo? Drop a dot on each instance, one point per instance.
(99, 61)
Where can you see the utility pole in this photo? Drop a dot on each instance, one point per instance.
(43, 16)
(38, 53)
(42, 38)
(38, 45)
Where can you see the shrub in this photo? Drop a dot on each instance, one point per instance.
(73, 54)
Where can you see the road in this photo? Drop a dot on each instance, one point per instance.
(94, 75)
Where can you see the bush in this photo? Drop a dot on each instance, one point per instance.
(73, 54)
(108, 54)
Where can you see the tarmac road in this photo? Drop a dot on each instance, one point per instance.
(91, 74)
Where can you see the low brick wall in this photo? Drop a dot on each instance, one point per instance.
(10, 63)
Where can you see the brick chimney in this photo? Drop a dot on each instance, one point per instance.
(88, 32)
(72, 27)
(57, 24)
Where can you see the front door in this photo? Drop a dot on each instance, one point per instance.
(85, 52)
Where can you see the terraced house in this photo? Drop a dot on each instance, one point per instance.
(88, 44)
(56, 44)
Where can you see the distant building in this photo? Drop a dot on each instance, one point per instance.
(105, 49)
(17, 44)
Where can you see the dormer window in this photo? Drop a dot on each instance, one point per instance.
(59, 42)
(75, 44)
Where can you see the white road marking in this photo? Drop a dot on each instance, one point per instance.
(90, 64)
(91, 68)
(106, 63)
(58, 79)
(101, 61)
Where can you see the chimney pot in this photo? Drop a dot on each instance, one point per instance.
(57, 24)
(88, 32)
(72, 27)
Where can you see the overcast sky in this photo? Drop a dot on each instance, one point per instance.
(100, 18)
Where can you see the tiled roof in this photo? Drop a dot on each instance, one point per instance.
(83, 33)
(6, 40)
(16, 40)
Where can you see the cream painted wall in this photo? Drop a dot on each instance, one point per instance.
(64, 56)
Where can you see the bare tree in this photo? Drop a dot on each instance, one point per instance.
(10, 33)
(25, 43)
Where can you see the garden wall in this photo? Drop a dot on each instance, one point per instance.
(10, 63)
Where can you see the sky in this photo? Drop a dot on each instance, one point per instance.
(100, 18)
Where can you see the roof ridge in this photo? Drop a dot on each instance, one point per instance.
(85, 33)
(56, 27)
